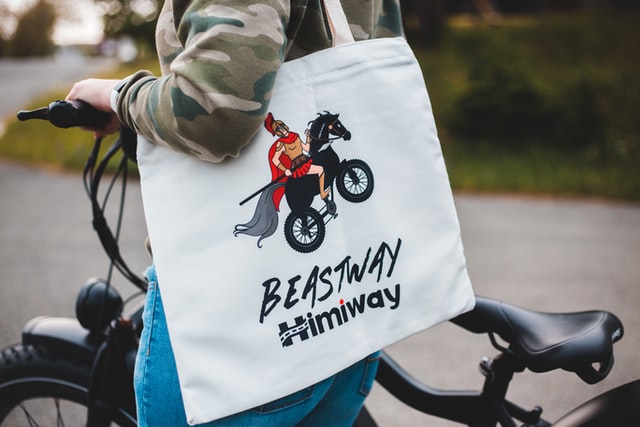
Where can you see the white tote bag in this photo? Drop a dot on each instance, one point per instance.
(268, 287)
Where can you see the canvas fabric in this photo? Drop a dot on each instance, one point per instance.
(267, 287)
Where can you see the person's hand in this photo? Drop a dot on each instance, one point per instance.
(97, 92)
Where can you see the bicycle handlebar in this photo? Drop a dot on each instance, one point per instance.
(66, 114)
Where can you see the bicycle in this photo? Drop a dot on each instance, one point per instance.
(89, 360)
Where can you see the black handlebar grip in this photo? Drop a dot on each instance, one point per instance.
(66, 114)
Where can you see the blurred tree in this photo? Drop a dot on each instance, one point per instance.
(32, 36)
(133, 18)
(487, 11)
(5, 16)
(502, 102)
(424, 20)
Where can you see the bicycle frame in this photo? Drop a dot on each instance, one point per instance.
(473, 408)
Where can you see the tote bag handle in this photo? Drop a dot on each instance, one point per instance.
(340, 31)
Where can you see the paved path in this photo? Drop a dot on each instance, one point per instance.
(540, 253)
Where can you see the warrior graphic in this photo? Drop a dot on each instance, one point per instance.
(289, 146)
(299, 172)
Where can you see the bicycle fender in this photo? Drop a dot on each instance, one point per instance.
(617, 407)
(61, 334)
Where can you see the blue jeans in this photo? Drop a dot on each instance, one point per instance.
(334, 401)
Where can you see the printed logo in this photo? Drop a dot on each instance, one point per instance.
(319, 323)
(328, 283)
(301, 169)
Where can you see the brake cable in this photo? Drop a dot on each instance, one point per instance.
(92, 176)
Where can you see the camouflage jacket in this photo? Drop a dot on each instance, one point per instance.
(219, 59)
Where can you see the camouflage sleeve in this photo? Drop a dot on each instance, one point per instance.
(219, 61)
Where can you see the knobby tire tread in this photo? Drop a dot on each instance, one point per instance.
(28, 372)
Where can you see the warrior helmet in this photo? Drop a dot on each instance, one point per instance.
(273, 126)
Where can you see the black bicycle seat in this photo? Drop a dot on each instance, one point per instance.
(578, 342)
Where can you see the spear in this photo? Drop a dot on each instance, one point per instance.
(262, 189)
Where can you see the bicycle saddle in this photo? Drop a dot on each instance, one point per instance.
(577, 342)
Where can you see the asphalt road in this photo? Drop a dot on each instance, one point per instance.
(546, 254)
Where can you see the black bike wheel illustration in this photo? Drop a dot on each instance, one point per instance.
(355, 181)
(304, 233)
(40, 387)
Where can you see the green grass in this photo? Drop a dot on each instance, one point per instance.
(39, 143)
(539, 171)
(562, 120)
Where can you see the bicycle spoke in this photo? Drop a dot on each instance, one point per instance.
(28, 417)
(356, 182)
(60, 421)
(303, 234)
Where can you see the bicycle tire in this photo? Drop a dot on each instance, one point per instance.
(45, 388)
(355, 181)
(304, 232)
(619, 407)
